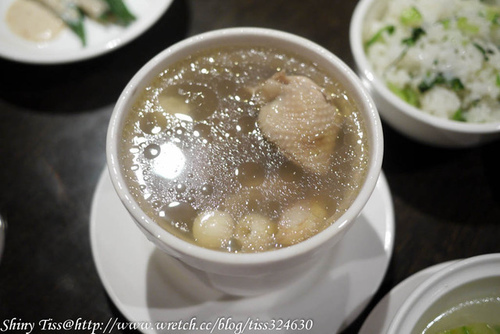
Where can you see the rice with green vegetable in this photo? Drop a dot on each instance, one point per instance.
(442, 56)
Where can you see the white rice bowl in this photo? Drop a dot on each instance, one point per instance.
(441, 56)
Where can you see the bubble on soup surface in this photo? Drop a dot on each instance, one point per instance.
(300, 222)
(193, 100)
(180, 188)
(152, 122)
(173, 104)
(246, 124)
(207, 189)
(177, 214)
(213, 229)
(152, 151)
(255, 232)
(202, 130)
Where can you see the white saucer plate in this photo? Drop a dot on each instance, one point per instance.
(380, 317)
(151, 288)
(67, 47)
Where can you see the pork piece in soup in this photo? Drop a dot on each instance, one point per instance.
(244, 149)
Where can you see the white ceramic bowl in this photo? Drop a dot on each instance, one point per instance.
(461, 281)
(403, 117)
(248, 274)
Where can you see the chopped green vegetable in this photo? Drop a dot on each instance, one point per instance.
(446, 23)
(411, 17)
(407, 94)
(430, 82)
(120, 12)
(79, 30)
(498, 79)
(378, 35)
(439, 79)
(496, 20)
(69, 13)
(456, 84)
(415, 35)
(459, 115)
(410, 41)
(483, 51)
(464, 25)
(493, 15)
(474, 329)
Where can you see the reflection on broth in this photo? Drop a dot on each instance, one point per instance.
(244, 149)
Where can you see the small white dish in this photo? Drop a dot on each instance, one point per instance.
(405, 118)
(67, 47)
(432, 305)
(381, 316)
(149, 286)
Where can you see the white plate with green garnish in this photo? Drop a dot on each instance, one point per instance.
(63, 31)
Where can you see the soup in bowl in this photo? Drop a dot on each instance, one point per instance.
(245, 153)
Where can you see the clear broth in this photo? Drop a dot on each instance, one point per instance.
(191, 143)
(477, 302)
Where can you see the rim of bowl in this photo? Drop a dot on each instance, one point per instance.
(365, 68)
(258, 36)
(445, 280)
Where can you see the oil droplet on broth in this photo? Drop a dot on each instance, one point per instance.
(254, 204)
(290, 172)
(226, 88)
(202, 130)
(173, 104)
(207, 189)
(152, 151)
(152, 122)
(180, 188)
(273, 209)
(177, 214)
(196, 101)
(250, 174)
(246, 124)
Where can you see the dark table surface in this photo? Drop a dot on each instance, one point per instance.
(53, 122)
